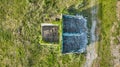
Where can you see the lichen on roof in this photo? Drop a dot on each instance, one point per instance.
(74, 34)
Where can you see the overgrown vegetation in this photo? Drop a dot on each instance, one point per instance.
(107, 15)
(20, 25)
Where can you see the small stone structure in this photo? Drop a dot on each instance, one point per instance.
(50, 33)
(74, 34)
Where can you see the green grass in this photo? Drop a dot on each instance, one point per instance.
(20, 30)
(107, 15)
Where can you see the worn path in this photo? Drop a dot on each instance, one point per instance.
(91, 49)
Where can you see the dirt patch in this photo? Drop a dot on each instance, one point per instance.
(115, 48)
(91, 49)
(118, 10)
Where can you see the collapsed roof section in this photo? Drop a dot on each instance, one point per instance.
(50, 33)
(74, 34)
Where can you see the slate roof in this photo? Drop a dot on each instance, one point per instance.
(74, 34)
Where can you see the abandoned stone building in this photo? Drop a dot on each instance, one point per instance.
(50, 33)
(74, 35)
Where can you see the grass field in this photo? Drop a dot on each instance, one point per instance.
(107, 16)
(20, 31)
